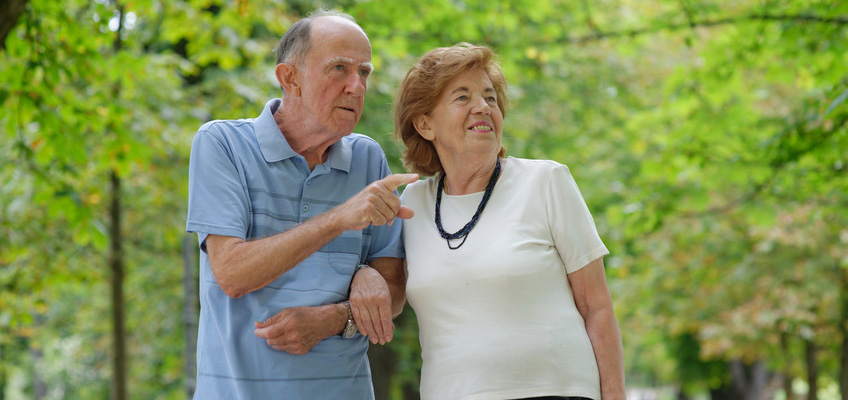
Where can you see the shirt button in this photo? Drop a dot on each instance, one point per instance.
(305, 207)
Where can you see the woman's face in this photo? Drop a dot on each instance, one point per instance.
(466, 118)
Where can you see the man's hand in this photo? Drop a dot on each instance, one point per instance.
(297, 330)
(371, 304)
(376, 204)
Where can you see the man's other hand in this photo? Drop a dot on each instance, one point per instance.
(296, 330)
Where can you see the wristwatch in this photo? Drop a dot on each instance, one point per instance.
(350, 326)
(360, 266)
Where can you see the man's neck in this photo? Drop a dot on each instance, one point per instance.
(309, 146)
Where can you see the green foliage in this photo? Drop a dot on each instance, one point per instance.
(709, 140)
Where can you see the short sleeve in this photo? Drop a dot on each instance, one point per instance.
(217, 199)
(572, 227)
(386, 240)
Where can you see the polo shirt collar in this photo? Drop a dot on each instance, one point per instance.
(275, 147)
(271, 141)
(340, 155)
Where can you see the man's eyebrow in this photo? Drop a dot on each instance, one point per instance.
(347, 60)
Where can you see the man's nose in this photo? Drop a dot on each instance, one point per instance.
(355, 84)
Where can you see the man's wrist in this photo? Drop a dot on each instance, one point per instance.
(349, 328)
(331, 221)
(359, 267)
(339, 318)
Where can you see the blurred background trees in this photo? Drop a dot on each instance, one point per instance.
(708, 138)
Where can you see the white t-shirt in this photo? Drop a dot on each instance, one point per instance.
(497, 317)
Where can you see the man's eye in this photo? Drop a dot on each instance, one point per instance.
(339, 67)
(364, 72)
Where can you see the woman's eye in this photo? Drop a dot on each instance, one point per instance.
(491, 99)
(463, 97)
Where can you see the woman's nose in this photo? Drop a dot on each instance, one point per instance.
(481, 106)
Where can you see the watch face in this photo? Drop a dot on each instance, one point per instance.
(350, 330)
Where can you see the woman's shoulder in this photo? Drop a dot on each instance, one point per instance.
(536, 166)
(422, 187)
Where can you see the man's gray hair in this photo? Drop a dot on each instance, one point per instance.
(295, 43)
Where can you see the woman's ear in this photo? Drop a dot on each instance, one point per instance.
(288, 78)
(422, 125)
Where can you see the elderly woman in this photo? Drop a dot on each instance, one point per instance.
(505, 265)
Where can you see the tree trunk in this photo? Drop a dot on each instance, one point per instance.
(787, 366)
(759, 379)
(3, 378)
(812, 369)
(749, 382)
(39, 388)
(740, 378)
(725, 392)
(116, 258)
(10, 11)
(190, 311)
(843, 329)
(116, 262)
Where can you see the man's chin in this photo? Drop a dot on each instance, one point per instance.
(346, 128)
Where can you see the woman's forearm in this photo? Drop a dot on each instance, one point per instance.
(606, 342)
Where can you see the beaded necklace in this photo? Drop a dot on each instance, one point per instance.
(463, 233)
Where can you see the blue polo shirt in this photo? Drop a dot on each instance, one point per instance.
(246, 181)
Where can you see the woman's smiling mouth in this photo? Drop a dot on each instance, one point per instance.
(481, 126)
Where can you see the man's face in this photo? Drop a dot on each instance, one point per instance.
(334, 76)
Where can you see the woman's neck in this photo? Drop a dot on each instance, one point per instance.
(468, 176)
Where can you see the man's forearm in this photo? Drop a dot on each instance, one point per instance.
(241, 266)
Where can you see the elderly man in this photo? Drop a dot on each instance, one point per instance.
(294, 215)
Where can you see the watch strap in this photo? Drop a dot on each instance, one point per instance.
(360, 266)
(350, 327)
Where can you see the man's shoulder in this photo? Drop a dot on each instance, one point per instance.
(363, 146)
(220, 127)
(230, 133)
(358, 139)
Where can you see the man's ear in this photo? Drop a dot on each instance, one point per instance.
(422, 125)
(288, 78)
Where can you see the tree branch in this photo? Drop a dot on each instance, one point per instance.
(691, 24)
(689, 17)
(778, 163)
(10, 11)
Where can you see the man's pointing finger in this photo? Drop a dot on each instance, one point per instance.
(392, 182)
